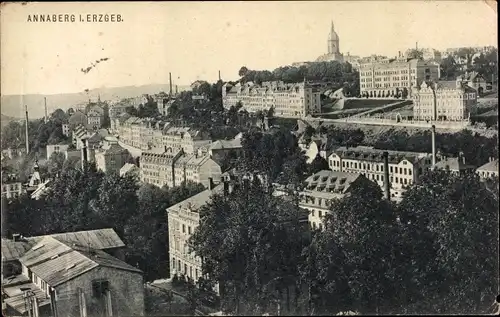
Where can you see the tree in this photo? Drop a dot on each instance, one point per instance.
(318, 164)
(184, 191)
(449, 68)
(146, 232)
(55, 164)
(361, 226)
(131, 110)
(116, 201)
(448, 222)
(250, 243)
(243, 71)
(415, 53)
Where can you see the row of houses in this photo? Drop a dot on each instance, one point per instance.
(172, 166)
(147, 134)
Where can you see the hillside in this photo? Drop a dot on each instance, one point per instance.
(12, 105)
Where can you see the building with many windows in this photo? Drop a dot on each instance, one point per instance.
(443, 101)
(295, 100)
(111, 158)
(173, 167)
(11, 186)
(57, 148)
(393, 77)
(320, 189)
(404, 167)
(183, 219)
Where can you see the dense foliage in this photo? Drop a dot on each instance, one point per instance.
(137, 213)
(430, 254)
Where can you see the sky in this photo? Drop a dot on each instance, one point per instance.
(194, 40)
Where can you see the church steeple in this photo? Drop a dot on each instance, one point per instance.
(333, 41)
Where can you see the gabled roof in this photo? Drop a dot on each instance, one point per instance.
(98, 239)
(226, 144)
(491, 166)
(57, 262)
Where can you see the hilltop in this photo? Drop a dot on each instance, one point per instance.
(12, 105)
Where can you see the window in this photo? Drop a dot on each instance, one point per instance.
(183, 228)
(189, 229)
(185, 268)
(99, 288)
(320, 213)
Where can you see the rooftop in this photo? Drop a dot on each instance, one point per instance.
(98, 239)
(491, 166)
(330, 181)
(194, 203)
(376, 155)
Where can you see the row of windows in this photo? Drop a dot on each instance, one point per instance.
(182, 268)
(372, 167)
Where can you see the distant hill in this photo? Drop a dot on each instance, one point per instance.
(13, 105)
(6, 119)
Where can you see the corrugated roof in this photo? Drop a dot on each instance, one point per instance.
(13, 250)
(56, 262)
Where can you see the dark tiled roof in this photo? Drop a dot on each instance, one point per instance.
(376, 155)
(331, 181)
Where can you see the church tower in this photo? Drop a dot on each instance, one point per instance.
(333, 42)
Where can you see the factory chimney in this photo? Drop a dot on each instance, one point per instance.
(387, 185)
(433, 146)
(46, 115)
(170, 82)
(219, 74)
(176, 90)
(27, 137)
(84, 153)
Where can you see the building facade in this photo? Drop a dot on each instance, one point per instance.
(173, 167)
(404, 167)
(393, 77)
(183, 219)
(288, 100)
(112, 158)
(320, 189)
(438, 101)
(11, 186)
(57, 148)
(106, 284)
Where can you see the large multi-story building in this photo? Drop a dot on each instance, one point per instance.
(111, 158)
(95, 116)
(404, 167)
(427, 54)
(183, 219)
(11, 186)
(295, 100)
(393, 77)
(443, 101)
(320, 189)
(173, 167)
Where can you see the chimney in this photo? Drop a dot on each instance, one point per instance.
(176, 90)
(219, 74)
(170, 82)
(387, 185)
(433, 146)
(27, 136)
(46, 116)
(84, 153)
(210, 183)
